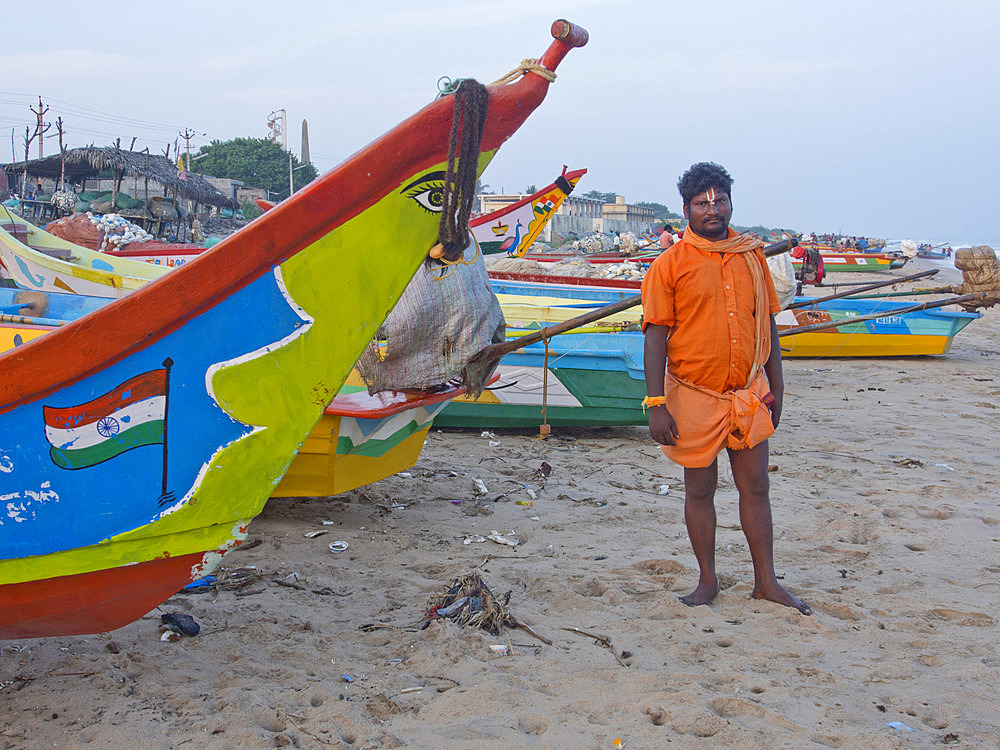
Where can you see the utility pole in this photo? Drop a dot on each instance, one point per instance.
(62, 154)
(187, 135)
(39, 130)
(28, 138)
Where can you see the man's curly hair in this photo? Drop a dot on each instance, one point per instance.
(702, 176)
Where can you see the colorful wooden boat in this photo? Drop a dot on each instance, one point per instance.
(931, 252)
(859, 262)
(360, 438)
(36, 259)
(169, 255)
(644, 256)
(927, 332)
(597, 378)
(852, 261)
(228, 362)
(586, 380)
(363, 438)
(514, 228)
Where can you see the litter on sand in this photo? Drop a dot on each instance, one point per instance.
(314, 534)
(180, 623)
(338, 547)
(469, 601)
(496, 536)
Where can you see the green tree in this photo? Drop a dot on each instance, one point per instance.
(531, 189)
(257, 162)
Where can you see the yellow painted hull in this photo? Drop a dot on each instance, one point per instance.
(820, 344)
(319, 471)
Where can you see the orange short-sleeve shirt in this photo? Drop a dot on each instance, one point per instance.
(706, 300)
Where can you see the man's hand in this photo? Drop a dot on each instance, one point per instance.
(662, 427)
(776, 408)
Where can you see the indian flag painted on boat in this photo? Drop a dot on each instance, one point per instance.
(129, 416)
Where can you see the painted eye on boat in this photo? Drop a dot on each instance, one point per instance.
(429, 195)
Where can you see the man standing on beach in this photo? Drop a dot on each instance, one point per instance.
(713, 374)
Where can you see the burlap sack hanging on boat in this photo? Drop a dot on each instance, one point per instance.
(783, 275)
(446, 316)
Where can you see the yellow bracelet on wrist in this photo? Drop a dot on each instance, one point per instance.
(651, 401)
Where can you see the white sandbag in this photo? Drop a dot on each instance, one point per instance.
(783, 275)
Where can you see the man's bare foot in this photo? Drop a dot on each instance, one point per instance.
(703, 594)
(776, 593)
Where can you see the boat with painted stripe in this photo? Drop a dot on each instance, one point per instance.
(597, 378)
(859, 262)
(258, 335)
(584, 380)
(360, 438)
(513, 229)
(38, 260)
(925, 332)
(363, 438)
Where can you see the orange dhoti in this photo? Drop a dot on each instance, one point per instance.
(708, 421)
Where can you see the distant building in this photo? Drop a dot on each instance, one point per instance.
(237, 190)
(622, 212)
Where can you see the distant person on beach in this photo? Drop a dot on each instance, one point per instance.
(713, 374)
(666, 236)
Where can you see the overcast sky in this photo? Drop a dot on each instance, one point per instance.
(858, 117)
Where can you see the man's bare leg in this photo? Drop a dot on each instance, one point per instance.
(699, 515)
(750, 474)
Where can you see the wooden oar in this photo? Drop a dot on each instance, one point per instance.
(908, 293)
(883, 314)
(778, 248)
(498, 350)
(48, 322)
(874, 285)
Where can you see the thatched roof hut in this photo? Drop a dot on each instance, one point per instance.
(90, 161)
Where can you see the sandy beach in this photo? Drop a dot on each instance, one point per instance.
(885, 495)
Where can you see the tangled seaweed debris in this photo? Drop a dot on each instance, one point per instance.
(469, 601)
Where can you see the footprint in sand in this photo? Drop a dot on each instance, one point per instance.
(741, 710)
(958, 617)
(840, 611)
(660, 568)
